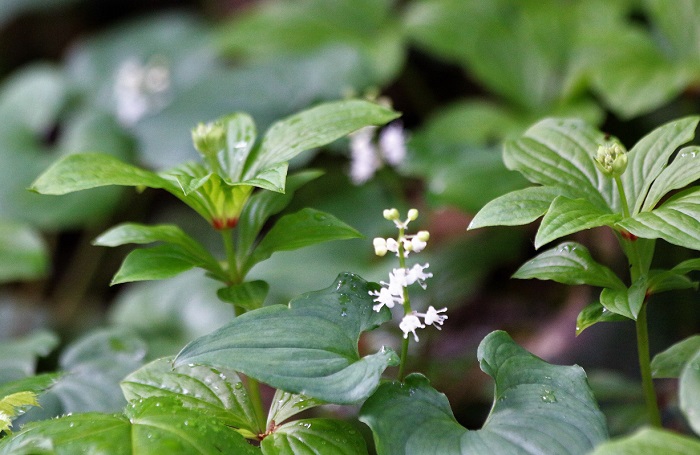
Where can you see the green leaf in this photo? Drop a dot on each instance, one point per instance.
(626, 302)
(689, 265)
(285, 405)
(313, 128)
(689, 391)
(217, 393)
(594, 313)
(567, 216)
(670, 362)
(559, 153)
(248, 295)
(675, 221)
(240, 139)
(515, 208)
(650, 441)
(155, 263)
(648, 158)
(154, 425)
(668, 280)
(303, 228)
(537, 408)
(314, 437)
(23, 253)
(308, 347)
(569, 263)
(18, 357)
(13, 405)
(683, 170)
(35, 384)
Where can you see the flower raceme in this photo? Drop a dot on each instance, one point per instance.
(394, 291)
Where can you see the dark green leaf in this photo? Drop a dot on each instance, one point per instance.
(18, 357)
(650, 441)
(537, 408)
(23, 254)
(248, 295)
(668, 280)
(626, 302)
(285, 405)
(670, 362)
(594, 313)
(516, 208)
(567, 216)
(155, 263)
(569, 263)
(308, 347)
(303, 228)
(218, 393)
(315, 437)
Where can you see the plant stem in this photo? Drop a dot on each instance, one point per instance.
(645, 368)
(641, 323)
(256, 400)
(406, 307)
(232, 269)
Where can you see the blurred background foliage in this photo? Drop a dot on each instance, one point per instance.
(131, 78)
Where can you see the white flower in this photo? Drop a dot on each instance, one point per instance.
(392, 143)
(397, 281)
(385, 298)
(409, 324)
(433, 318)
(392, 245)
(364, 160)
(416, 274)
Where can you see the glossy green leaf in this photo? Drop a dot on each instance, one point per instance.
(559, 153)
(515, 208)
(18, 357)
(593, 314)
(689, 391)
(683, 170)
(303, 228)
(650, 155)
(312, 128)
(153, 426)
(650, 441)
(537, 408)
(285, 405)
(670, 362)
(154, 263)
(23, 253)
(315, 437)
(240, 139)
(675, 221)
(218, 393)
(627, 301)
(567, 216)
(248, 295)
(307, 347)
(569, 263)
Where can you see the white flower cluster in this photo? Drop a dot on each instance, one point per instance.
(367, 157)
(394, 292)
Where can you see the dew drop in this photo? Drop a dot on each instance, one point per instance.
(548, 396)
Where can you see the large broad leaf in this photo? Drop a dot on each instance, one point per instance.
(18, 357)
(23, 254)
(538, 408)
(650, 441)
(569, 263)
(675, 221)
(307, 347)
(303, 228)
(153, 426)
(515, 208)
(314, 437)
(218, 393)
(567, 216)
(670, 362)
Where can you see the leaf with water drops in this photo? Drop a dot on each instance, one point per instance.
(216, 392)
(650, 441)
(670, 362)
(627, 301)
(314, 437)
(285, 405)
(308, 347)
(683, 170)
(569, 263)
(593, 314)
(538, 408)
(240, 139)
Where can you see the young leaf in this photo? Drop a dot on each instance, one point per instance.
(155, 263)
(303, 228)
(249, 295)
(154, 425)
(594, 313)
(218, 393)
(240, 139)
(12, 405)
(569, 263)
(314, 437)
(626, 302)
(537, 408)
(515, 208)
(684, 170)
(650, 441)
(567, 216)
(689, 391)
(285, 405)
(307, 347)
(670, 363)
(675, 221)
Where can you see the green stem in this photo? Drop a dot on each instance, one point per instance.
(256, 400)
(232, 269)
(406, 307)
(641, 323)
(645, 368)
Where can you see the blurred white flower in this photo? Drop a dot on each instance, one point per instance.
(409, 324)
(367, 157)
(140, 89)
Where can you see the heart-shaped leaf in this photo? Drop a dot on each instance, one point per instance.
(314, 437)
(308, 347)
(538, 408)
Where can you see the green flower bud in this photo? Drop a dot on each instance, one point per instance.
(611, 159)
(391, 214)
(413, 214)
(209, 138)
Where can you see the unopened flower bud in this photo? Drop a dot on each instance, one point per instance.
(611, 159)
(209, 138)
(380, 248)
(412, 214)
(423, 236)
(391, 214)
